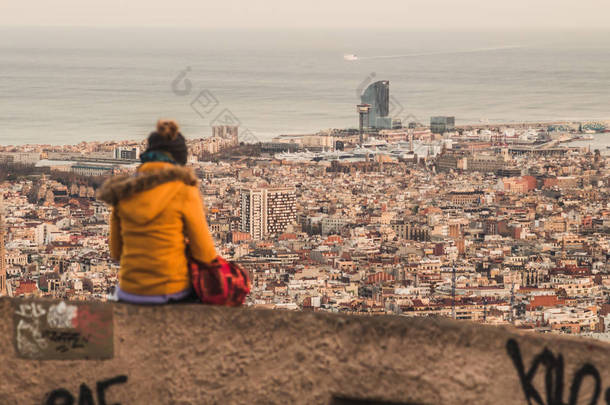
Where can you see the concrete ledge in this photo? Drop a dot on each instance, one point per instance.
(195, 354)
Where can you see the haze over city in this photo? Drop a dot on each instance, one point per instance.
(429, 15)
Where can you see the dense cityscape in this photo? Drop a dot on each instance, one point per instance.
(499, 224)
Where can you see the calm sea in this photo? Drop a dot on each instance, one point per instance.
(68, 85)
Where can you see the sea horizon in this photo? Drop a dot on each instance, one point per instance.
(111, 84)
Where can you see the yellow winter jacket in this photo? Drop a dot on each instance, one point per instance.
(154, 213)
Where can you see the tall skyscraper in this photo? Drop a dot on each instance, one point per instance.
(377, 95)
(267, 211)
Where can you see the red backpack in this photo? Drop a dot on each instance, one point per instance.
(220, 282)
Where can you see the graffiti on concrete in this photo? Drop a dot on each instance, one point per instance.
(28, 335)
(51, 330)
(62, 396)
(61, 315)
(554, 378)
(66, 340)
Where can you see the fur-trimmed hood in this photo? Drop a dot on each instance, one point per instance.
(149, 176)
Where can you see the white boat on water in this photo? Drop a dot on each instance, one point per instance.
(350, 57)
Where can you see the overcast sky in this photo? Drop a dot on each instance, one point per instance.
(273, 14)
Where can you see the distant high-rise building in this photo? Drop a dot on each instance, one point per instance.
(267, 211)
(377, 95)
(229, 132)
(253, 209)
(440, 125)
(281, 209)
(363, 112)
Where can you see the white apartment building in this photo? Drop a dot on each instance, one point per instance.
(253, 212)
(267, 211)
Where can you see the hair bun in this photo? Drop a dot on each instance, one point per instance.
(167, 129)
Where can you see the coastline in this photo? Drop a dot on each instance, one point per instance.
(269, 136)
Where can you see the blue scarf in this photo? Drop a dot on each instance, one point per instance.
(156, 156)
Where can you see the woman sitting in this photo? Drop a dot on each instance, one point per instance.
(155, 213)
